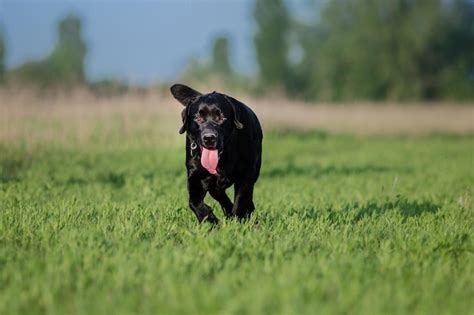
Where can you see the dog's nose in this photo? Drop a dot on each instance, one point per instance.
(209, 138)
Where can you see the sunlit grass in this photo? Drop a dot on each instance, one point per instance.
(344, 224)
(94, 215)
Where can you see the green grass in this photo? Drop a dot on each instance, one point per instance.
(344, 225)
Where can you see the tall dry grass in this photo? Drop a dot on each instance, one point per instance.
(81, 117)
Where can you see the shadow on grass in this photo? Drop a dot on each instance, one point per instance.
(405, 207)
(355, 212)
(114, 179)
(317, 171)
(11, 167)
(117, 180)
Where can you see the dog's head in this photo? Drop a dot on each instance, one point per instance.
(209, 119)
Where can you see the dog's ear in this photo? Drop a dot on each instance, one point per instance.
(236, 112)
(184, 94)
(184, 116)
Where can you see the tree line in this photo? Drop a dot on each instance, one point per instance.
(358, 50)
(346, 50)
(64, 66)
(369, 49)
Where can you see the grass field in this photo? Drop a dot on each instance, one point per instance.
(97, 222)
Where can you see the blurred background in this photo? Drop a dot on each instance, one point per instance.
(368, 65)
(364, 200)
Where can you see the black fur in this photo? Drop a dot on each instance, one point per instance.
(219, 121)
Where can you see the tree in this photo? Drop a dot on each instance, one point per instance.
(67, 59)
(271, 41)
(455, 80)
(65, 65)
(396, 49)
(2, 58)
(220, 56)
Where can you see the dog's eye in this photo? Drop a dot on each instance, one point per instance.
(218, 112)
(219, 119)
(199, 118)
(201, 113)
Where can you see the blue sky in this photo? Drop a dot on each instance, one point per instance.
(137, 41)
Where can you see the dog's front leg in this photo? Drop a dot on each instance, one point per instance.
(196, 201)
(221, 197)
(243, 203)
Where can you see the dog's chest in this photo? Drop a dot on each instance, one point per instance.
(218, 181)
(222, 181)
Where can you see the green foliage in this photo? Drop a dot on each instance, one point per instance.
(390, 50)
(271, 41)
(108, 87)
(359, 225)
(217, 71)
(65, 65)
(2, 57)
(220, 56)
(217, 68)
(67, 59)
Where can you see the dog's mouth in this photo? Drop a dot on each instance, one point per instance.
(209, 147)
(210, 159)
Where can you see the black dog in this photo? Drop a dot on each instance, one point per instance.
(223, 147)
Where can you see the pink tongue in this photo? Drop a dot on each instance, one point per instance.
(209, 160)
